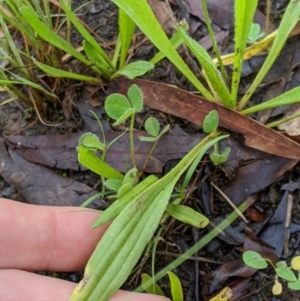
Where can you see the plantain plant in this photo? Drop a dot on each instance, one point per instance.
(282, 270)
(219, 90)
(139, 208)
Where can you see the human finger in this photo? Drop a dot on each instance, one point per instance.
(46, 238)
(26, 286)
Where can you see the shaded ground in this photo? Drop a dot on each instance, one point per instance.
(199, 277)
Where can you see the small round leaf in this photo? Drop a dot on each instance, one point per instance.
(152, 126)
(113, 184)
(135, 95)
(116, 105)
(294, 285)
(295, 263)
(211, 122)
(277, 288)
(254, 260)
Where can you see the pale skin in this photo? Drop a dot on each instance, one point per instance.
(36, 238)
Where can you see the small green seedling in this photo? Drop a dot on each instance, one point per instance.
(122, 187)
(176, 287)
(137, 214)
(254, 260)
(120, 108)
(255, 33)
(152, 127)
(91, 142)
(187, 215)
(88, 145)
(210, 123)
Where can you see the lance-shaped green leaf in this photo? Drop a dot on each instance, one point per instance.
(96, 59)
(243, 13)
(134, 69)
(126, 28)
(287, 98)
(116, 207)
(176, 288)
(86, 35)
(56, 72)
(24, 81)
(187, 215)
(287, 24)
(151, 289)
(49, 36)
(122, 245)
(212, 74)
(142, 15)
(88, 159)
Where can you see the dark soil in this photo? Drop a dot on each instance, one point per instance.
(102, 17)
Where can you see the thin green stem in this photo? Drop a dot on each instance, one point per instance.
(281, 121)
(216, 148)
(200, 244)
(148, 158)
(214, 43)
(132, 140)
(268, 7)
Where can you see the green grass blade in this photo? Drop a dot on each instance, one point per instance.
(212, 74)
(142, 15)
(86, 35)
(175, 40)
(13, 16)
(11, 48)
(24, 81)
(96, 59)
(243, 18)
(49, 36)
(213, 41)
(288, 22)
(55, 72)
(287, 98)
(126, 28)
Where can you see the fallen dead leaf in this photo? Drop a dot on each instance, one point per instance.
(292, 128)
(164, 15)
(215, 280)
(42, 186)
(221, 15)
(255, 176)
(59, 151)
(193, 108)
